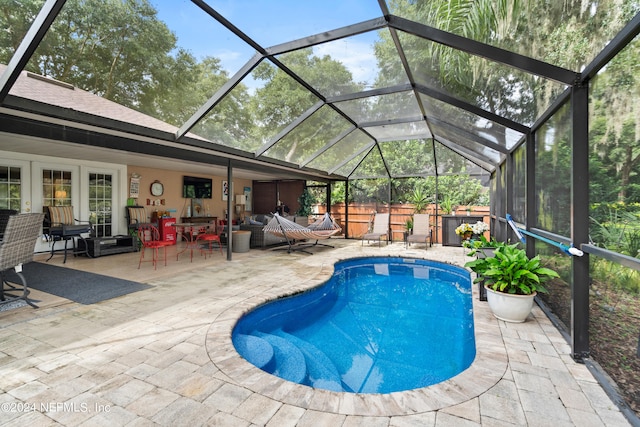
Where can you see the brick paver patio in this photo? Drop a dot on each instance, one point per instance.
(163, 356)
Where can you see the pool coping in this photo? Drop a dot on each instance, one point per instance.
(488, 367)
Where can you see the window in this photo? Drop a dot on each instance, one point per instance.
(10, 187)
(56, 188)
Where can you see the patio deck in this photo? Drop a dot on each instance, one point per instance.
(163, 356)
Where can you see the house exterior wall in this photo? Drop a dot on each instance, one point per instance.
(32, 165)
(172, 199)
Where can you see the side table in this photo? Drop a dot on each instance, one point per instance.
(405, 233)
(240, 240)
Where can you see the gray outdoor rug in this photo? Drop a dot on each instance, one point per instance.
(75, 285)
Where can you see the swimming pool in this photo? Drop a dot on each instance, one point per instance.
(379, 325)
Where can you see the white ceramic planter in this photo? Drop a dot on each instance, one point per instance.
(510, 307)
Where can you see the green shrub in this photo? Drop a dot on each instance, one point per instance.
(511, 271)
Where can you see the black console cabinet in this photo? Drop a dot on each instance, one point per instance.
(100, 246)
(449, 225)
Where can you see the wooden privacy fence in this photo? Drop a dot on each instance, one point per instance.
(360, 214)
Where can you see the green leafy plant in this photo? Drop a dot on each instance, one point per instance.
(446, 205)
(306, 201)
(419, 200)
(511, 271)
(408, 224)
(632, 243)
(479, 243)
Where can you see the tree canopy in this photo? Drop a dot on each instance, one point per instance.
(122, 51)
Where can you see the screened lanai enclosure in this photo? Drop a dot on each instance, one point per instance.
(540, 97)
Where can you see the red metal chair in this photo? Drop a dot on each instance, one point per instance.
(149, 237)
(210, 237)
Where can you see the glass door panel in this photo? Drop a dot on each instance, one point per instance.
(10, 187)
(56, 188)
(101, 203)
(15, 185)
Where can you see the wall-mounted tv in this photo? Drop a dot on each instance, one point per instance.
(197, 188)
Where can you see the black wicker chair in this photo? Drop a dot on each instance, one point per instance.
(16, 249)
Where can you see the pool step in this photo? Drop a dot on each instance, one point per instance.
(321, 372)
(352, 378)
(256, 350)
(290, 363)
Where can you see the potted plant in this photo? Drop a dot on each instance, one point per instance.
(478, 242)
(479, 228)
(512, 280)
(482, 247)
(464, 230)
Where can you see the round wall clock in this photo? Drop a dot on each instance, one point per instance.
(157, 188)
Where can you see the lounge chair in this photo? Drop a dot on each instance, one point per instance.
(380, 229)
(322, 229)
(421, 231)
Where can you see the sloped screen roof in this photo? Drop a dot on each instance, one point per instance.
(358, 89)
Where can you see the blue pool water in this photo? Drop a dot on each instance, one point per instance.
(379, 325)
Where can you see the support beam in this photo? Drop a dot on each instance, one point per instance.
(619, 42)
(481, 160)
(346, 209)
(367, 147)
(227, 87)
(437, 214)
(330, 144)
(284, 132)
(328, 36)
(28, 46)
(473, 109)
(508, 184)
(369, 93)
(229, 218)
(524, 63)
(499, 204)
(530, 196)
(463, 133)
(580, 221)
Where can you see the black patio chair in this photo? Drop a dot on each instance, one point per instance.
(136, 216)
(60, 225)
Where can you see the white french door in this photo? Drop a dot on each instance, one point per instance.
(95, 191)
(101, 186)
(55, 184)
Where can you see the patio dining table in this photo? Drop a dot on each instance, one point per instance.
(189, 232)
